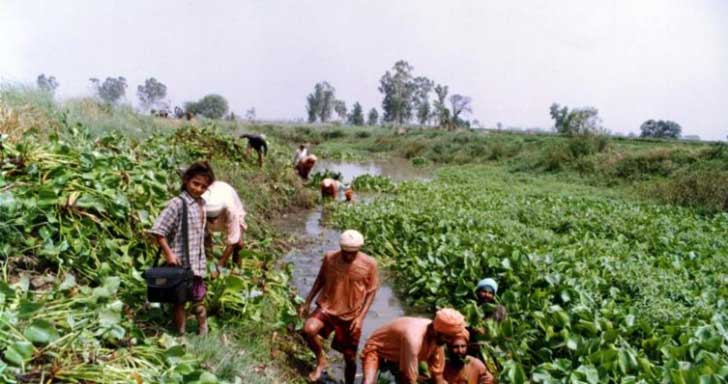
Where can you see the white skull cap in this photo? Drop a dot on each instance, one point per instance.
(351, 240)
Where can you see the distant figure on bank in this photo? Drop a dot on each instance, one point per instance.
(347, 282)
(333, 188)
(172, 240)
(303, 162)
(400, 345)
(258, 143)
(225, 213)
(461, 368)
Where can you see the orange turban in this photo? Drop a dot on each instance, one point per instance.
(465, 335)
(449, 321)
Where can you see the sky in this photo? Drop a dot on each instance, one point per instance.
(633, 60)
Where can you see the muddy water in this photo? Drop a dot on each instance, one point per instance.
(316, 239)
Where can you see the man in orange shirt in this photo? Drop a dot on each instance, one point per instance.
(408, 340)
(463, 369)
(345, 285)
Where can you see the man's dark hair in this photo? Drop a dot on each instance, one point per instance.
(200, 168)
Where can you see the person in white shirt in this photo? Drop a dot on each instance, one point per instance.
(225, 213)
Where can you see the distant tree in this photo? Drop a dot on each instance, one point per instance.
(48, 84)
(356, 117)
(459, 104)
(441, 113)
(231, 116)
(250, 115)
(211, 106)
(661, 129)
(151, 93)
(373, 117)
(578, 121)
(398, 88)
(111, 90)
(423, 87)
(321, 102)
(340, 109)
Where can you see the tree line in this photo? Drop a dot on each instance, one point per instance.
(406, 99)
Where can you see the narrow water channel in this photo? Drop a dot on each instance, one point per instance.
(316, 239)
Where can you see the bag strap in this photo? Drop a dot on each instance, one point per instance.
(185, 234)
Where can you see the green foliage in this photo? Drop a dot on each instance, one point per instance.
(151, 93)
(578, 121)
(597, 289)
(111, 90)
(660, 129)
(47, 83)
(357, 115)
(705, 189)
(373, 117)
(373, 183)
(321, 102)
(210, 106)
(76, 206)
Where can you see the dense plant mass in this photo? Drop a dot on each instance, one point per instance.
(73, 210)
(598, 289)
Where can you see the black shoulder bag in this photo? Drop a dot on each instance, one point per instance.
(171, 284)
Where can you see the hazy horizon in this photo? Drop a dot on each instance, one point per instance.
(633, 61)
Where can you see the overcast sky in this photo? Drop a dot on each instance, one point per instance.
(633, 60)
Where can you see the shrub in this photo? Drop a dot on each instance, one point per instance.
(585, 145)
(705, 189)
(362, 134)
(333, 134)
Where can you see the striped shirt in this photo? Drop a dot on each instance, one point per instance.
(169, 225)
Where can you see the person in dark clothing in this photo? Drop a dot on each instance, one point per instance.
(258, 143)
(485, 293)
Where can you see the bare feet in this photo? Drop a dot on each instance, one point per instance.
(315, 375)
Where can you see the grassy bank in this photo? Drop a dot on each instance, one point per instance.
(677, 172)
(79, 184)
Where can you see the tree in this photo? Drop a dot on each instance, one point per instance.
(578, 121)
(423, 87)
(398, 89)
(211, 106)
(459, 104)
(441, 113)
(151, 93)
(48, 84)
(111, 90)
(661, 129)
(357, 115)
(373, 117)
(320, 103)
(340, 109)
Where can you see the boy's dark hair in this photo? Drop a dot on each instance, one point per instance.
(200, 168)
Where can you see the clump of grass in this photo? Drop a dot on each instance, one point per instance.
(705, 189)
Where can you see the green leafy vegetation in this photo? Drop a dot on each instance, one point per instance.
(75, 201)
(599, 289)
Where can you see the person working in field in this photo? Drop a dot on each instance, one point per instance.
(258, 143)
(169, 235)
(461, 368)
(345, 286)
(332, 188)
(485, 293)
(225, 213)
(400, 345)
(303, 162)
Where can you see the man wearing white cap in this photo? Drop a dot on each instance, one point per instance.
(225, 213)
(345, 285)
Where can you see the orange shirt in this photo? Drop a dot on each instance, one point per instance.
(473, 372)
(403, 341)
(346, 285)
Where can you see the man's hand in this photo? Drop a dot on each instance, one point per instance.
(303, 310)
(355, 325)
(172, 259)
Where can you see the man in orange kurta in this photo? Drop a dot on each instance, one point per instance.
(406, 341)
(463, 369)
(345, 285)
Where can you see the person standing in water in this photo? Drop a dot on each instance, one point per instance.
(346, 285)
